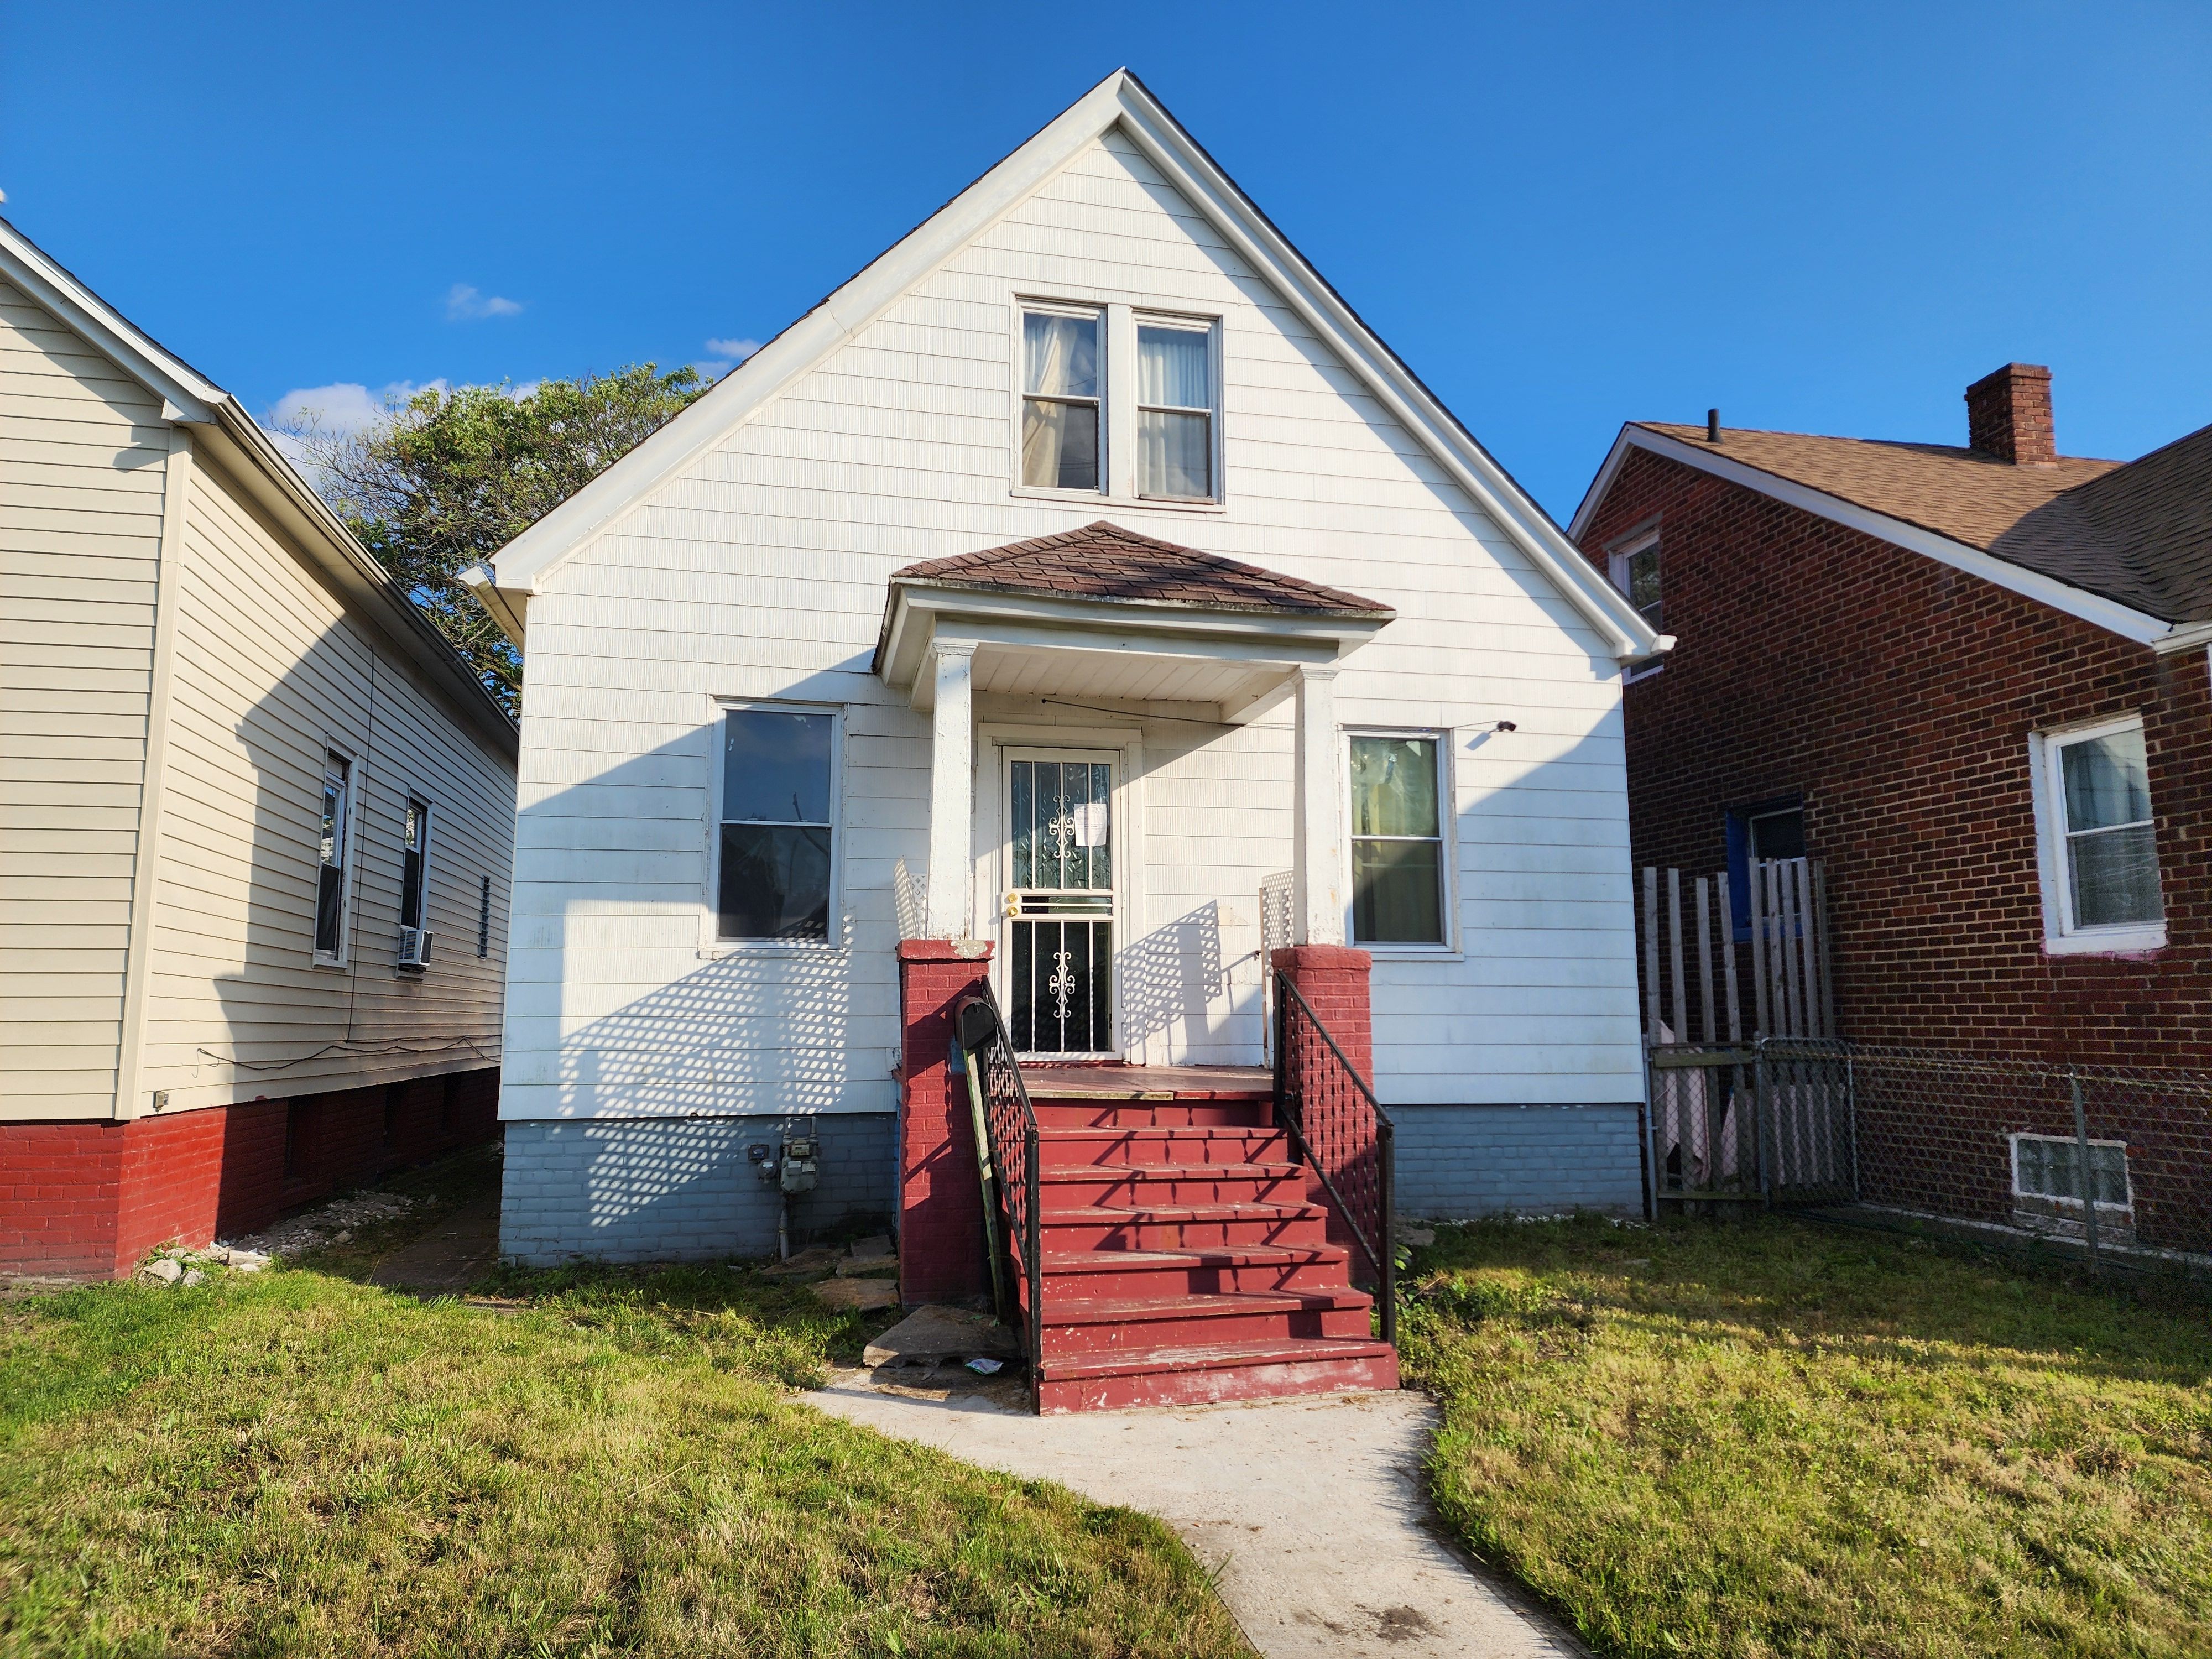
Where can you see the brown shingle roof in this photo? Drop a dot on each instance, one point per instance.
(1960, 493)
(2137, 531)
(1102, 561)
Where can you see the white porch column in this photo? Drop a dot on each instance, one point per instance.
(1319, 862)
(951, 781)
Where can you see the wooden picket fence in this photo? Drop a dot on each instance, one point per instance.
(1759, 1115)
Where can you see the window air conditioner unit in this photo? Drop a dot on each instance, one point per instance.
(414, 946)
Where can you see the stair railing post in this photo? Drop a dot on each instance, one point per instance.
(1386, 1146)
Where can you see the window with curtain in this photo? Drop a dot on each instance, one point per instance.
(2107, 850)
(1175, 411)
(777, 825)
(1397, 841)
(1060, 362)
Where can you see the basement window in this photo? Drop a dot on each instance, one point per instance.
(2048, 1181)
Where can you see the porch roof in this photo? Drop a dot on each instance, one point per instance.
(1105, 611)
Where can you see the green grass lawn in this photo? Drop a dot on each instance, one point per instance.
(300, 1463)
(1776, 1438)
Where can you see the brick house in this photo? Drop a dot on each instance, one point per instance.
(1972, 683)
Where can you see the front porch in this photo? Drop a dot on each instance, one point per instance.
(1163, 1232)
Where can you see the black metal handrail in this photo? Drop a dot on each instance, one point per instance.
(1341, 1132)
(1010, 1162)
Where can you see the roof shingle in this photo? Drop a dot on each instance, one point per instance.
(1102, 561)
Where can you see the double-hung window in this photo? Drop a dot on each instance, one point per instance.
(1175, 411)
(1398, 877)
(1062, 380)
(777, 833)
(330, 869)
(2101, 841)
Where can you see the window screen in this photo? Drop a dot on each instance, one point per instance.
(2112, 842)
(1397, 842)
(776, 825)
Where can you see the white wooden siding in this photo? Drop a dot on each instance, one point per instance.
(761, 571)
(82, 455)
(271, 671)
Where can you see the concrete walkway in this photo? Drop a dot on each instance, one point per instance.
(1310, 1509)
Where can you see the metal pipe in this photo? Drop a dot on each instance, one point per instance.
(2086, 1176)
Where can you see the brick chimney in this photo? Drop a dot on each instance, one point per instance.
(2009, 415)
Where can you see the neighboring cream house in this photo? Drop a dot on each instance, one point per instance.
(241, 780)
(1053, 526)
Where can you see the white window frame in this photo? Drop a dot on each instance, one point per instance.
(1447, 851)
(2104, 1206)
(1616, 565)
(1211, 327)
(429, 819)
(2061, 935)
(1028, 306)
(711, 945)
(357, 788)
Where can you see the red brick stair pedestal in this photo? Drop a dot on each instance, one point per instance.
(1182, 1261)
(940, 1204)
(1333, 980)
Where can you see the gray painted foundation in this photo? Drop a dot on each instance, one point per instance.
(1455, 1163)
(662, 1190)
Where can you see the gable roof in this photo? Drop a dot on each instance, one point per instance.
(1102, 561)
(219, 422)
(2139, 534)
(2024, 528)
(1122, 101)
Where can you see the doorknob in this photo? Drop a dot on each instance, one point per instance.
(1014, 903)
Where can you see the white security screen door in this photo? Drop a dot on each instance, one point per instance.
(1057, 947)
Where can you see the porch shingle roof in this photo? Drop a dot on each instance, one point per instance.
(1102, 561)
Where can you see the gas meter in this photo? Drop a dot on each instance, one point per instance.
(800, 1166)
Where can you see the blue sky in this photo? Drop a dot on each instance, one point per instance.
(1564, 216)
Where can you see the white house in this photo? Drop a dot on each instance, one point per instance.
(1078, 567)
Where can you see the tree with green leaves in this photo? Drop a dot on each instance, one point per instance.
(448, 478)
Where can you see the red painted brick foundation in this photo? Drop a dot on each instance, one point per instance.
(940, 1206)
(90, 1199)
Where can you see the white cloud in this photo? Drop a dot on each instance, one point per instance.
(464, 304)
(346, 406)
(735, 351)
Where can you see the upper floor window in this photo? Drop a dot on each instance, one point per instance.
(2101, 842)
(336, 829)
(1175, 411)
(777, 825)
(1397, 840)
(1061, 387)
(1636, 573)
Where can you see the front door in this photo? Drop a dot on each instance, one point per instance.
(1057, 913)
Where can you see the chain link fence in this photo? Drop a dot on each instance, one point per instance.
(2111, 1160)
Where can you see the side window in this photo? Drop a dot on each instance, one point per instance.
(1062, 390)
(1636, 573)
(1397, 841)
(777, 833)
(2099, 839)
(415, 866)
(1175, 411)
(1775, 830)
(330, 876)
